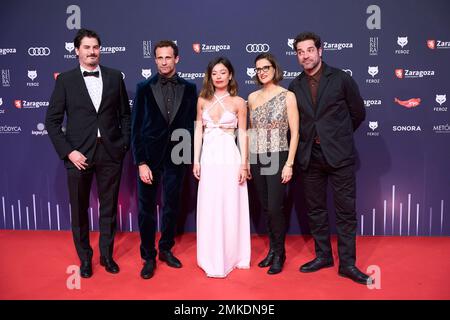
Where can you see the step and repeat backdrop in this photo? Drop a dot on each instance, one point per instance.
(397, 51)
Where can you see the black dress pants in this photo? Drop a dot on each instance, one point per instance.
(266, 170)
(107, 174)
(343, 184)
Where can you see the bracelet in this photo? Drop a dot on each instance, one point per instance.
(289, 164)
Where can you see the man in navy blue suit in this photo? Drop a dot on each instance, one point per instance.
(163, 104)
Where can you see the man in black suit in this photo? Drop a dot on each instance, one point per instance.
(164, 104)
(331, 109)
(95, 102)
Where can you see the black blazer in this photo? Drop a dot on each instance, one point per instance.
(339, 112)
(151, 129)
(71, 97)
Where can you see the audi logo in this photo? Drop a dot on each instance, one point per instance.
(257, 47)
(39, 51)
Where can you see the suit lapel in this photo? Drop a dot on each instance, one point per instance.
(105, 83)
(157, 93)
(179, 90)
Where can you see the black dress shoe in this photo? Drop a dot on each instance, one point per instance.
(316, 265)
(353, 273)
(170, 259)
(148, 269)
(267, 261)
(277, 264)
(86, 269)
(110, 265)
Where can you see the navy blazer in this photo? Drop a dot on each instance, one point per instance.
(151, 130)
(339, 112)
(71, 98)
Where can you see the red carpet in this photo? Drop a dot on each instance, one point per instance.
(33, 266)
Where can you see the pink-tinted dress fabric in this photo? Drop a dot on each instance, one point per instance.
(223, 223)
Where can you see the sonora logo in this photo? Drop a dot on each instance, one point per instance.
(257, 47)
(38, 51)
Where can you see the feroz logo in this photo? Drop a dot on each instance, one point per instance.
(373, 125)
(196, 47)
(399, 73)
(410, 103)
(402, 41)
(146, 73)
(290, 43)
(373, 71)
(257, 47)
(441, 98)
(39, 51)
(69, 46)
(251, 72)
(32, 74)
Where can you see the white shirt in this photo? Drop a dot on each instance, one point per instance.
(95, 88)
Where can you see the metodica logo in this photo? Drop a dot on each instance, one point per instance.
(10, 129)
(441, 128)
